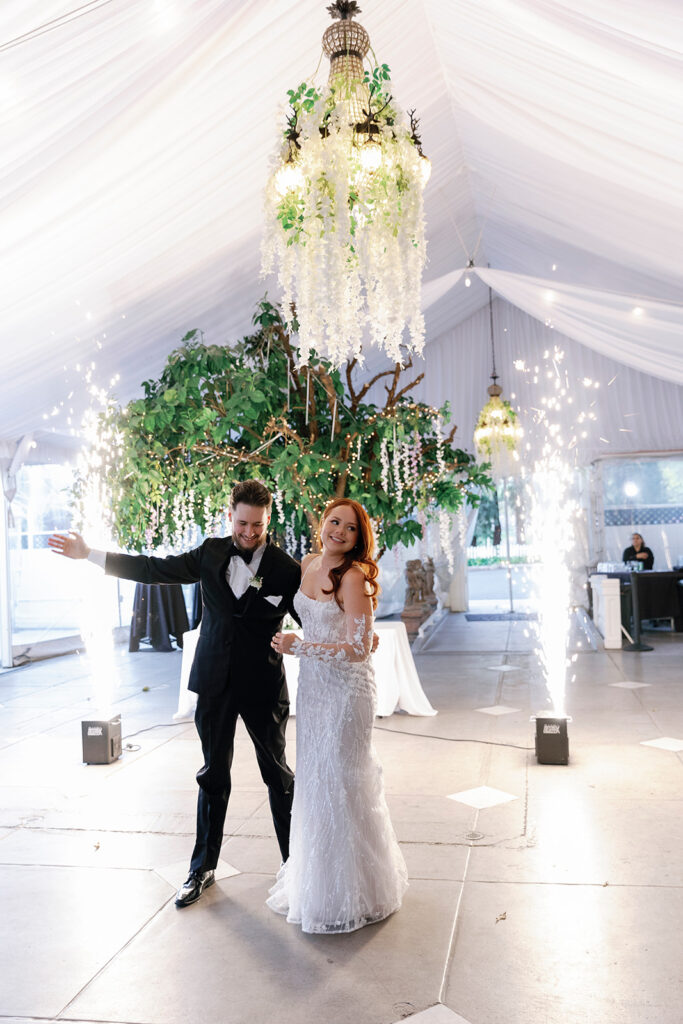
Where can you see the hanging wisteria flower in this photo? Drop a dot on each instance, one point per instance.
(384, 459)
(445, 525)
(398, 483)
(438, 430)
(279, 505)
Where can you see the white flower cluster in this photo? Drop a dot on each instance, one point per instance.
(384, 459)
(437, 423)
(279, 500)
(398, 483)
(403, 466)
(185, 532)
(214, 522)
(445, 526)
(348, 243)
(290, 537)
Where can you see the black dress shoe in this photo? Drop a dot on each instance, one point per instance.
(195, 885)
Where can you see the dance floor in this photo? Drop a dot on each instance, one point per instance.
(542, 894)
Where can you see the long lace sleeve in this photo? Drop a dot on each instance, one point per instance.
(359, 627)
(356, 648)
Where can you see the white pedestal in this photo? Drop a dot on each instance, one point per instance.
(607, 609)
(398, 684)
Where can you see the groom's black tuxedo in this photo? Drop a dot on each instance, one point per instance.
(235, 672)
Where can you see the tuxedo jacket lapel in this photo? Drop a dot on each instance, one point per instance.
(263, 568)
(223, 574)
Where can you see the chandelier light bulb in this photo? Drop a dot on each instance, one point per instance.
(288, 178)
(468, 281)
(370, 156)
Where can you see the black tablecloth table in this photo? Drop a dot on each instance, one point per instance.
(660, 595)
(158, 614)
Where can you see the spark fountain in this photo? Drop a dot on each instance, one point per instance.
(554, 513)
(101, 736)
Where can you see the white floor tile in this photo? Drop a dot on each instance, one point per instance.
(628, 685)
(438, 1014)
(664, 743)
(177, 872)
(482, 796)
(497, 709)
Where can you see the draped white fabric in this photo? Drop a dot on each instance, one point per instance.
(136, 140)
(642, 333)
(634, 411)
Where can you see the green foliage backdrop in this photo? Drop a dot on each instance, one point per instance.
(168, 460)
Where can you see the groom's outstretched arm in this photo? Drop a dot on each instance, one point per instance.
(183, 568)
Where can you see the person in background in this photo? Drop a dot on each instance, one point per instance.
(638, 552)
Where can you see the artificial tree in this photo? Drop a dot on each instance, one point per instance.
(218, 414)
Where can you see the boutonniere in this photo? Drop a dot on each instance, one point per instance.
(256, 582)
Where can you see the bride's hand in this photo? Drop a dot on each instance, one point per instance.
(282, 642)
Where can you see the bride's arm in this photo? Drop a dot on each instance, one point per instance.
(359, 635)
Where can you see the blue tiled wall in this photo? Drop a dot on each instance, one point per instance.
(644, 515)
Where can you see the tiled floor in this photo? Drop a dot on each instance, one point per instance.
(539, 893)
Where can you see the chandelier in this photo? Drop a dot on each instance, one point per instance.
(498, 433)
(343, 211)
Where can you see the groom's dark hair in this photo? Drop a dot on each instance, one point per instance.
(251, 492)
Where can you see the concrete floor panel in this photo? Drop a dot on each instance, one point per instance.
(86, 848)
(567, 954)
(230, 954)
(80, 918)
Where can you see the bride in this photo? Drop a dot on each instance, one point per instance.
(345, 869)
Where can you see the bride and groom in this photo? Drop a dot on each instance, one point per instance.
(342, 867)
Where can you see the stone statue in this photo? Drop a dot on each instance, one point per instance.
(419, 586)
(415, 579)
(429, 594)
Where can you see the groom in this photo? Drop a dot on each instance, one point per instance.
(247, 585)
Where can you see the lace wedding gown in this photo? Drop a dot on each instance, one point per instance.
(345, 868)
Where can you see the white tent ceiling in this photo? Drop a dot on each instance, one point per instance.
(137, 134)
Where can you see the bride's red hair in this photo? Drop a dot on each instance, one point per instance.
(361, 554)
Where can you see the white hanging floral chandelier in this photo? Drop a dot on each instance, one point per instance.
(344, 213)
(498, 432)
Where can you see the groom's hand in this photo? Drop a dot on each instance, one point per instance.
(71, 545)
(282, 642)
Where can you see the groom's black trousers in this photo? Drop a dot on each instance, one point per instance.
(265, 720)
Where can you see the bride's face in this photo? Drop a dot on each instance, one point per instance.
(340, 530)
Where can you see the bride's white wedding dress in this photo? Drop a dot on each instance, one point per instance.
(345, 868)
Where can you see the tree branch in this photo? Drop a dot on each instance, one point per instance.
(407, 388)
(358, 396)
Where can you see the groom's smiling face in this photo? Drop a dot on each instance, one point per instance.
(249, 525)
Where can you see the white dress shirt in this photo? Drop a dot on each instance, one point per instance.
(238, 574)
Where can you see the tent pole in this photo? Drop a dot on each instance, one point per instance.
(507, 540)
(5, 587)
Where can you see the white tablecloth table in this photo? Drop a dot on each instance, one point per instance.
(398, 684)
